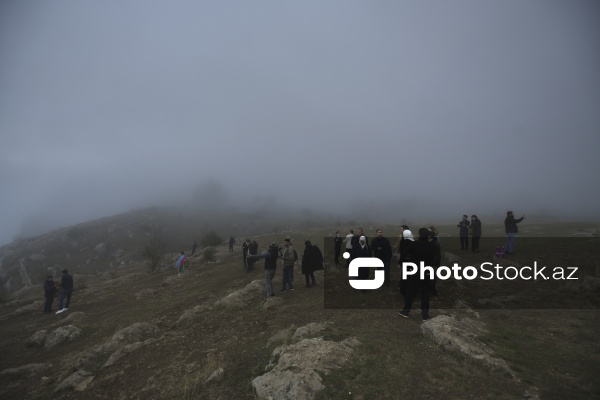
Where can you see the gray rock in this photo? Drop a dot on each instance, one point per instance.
(25, 370)
(100, 249)
(309, 330)
(77, 381)
(72, 317)
(217, 375)
(296, 373)
(61, 335)
(35, 306)
(461, 335)
(136, 332)
(242, 298)
(37, 339)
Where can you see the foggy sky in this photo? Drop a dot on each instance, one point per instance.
(463, 106)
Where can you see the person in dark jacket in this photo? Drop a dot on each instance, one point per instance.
(66, 284)
(475, 233)
(422, 250)
(406, 241)
(312, 260)
(338, 240)
(437, 257)
(252, 250)
(245, 247)
(270, 256)
(49, 293)
(510, 226)
(464, 232)
(382, 249)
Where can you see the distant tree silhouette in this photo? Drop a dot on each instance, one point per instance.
(211, 239)
(154, 252)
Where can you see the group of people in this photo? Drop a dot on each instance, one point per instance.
(473, 229)
(425, 249)
(466, 229)
(50, 289)
(312, 260)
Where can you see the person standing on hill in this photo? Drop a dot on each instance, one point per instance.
(270, 256)
(288, 266)
(510, 226)
(348, 245)
(464, 233)
(422, 250)
(245, 247)
(437, 258)
(66, 284)
(180, 263)
(49, 293)
(338, 247)
(382, 249)
(194, 245)
(404, 244)
(362, 249)
(475, 233)
(252, 250)
(312, 260)
(231, 244)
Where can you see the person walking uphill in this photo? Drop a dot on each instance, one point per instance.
(66, 284)
(510, 226)
(49, 292)
(312, 260)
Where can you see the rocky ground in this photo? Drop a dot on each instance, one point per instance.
(211, 334)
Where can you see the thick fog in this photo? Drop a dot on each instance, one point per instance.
(352, 107)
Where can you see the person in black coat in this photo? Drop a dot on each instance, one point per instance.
(510, 225)
(437, 257)
(49, 293)
(475, 233)
(382, 249)
(403, 246)
(312, 260)
(338, 240)
(464, 232)
(421, 250)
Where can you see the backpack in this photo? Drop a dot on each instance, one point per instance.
(500, 251)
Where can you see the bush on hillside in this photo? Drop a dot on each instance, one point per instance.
(208, 254)
(211, 239)
(154, 252)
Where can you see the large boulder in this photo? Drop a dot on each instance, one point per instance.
(296, 374)
(462, 336)
(61, 335)
(136, 332)
(242, 298)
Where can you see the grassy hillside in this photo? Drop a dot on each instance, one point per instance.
(554, 354)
